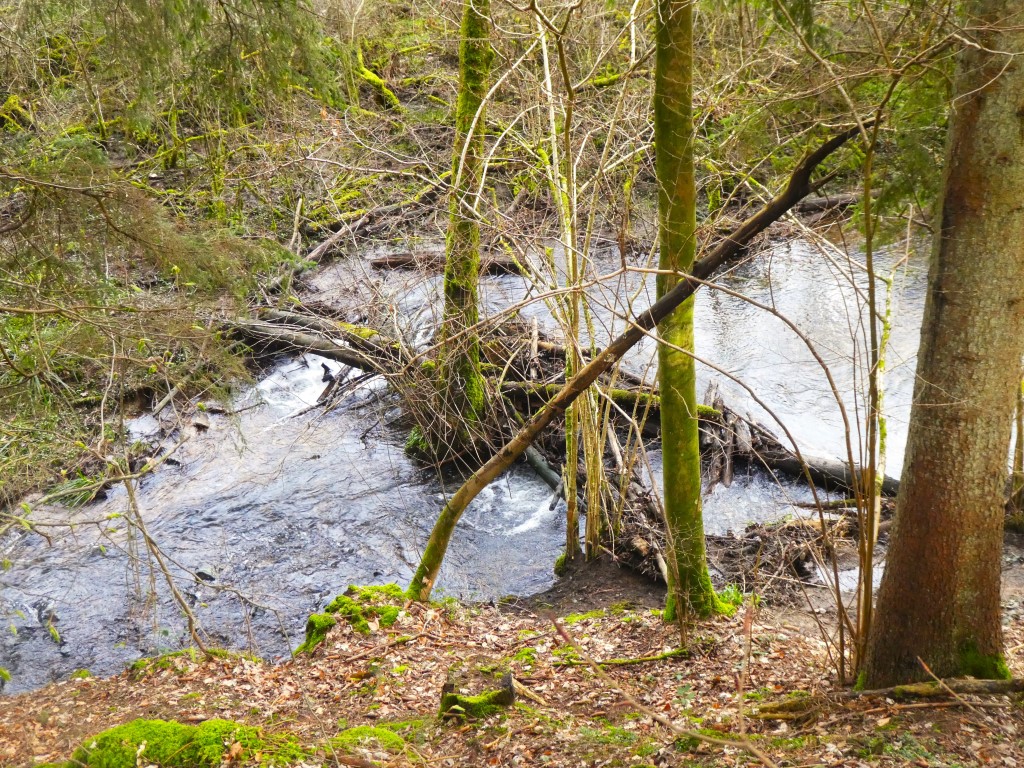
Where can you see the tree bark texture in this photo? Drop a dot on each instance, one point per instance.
(459, 360)
(690, 591)
(939, 597)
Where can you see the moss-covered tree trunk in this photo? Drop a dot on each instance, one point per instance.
(462, 386)
(939, 597)
(728, 248)
(690, 589)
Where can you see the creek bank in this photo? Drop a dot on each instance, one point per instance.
(362, 699)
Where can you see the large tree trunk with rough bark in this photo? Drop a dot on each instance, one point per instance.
(690, 590)
(462, 385)
(939, 597)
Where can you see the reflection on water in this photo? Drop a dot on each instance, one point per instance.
(284, 509)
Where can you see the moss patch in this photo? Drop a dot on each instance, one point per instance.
(317, 627)
(983, 666)
(561, 565)
(177, 661)
(526, 656)
(365, 735)
(576, 618)
(416, 445)
(358, 606)
(167, 744)
(476, 707)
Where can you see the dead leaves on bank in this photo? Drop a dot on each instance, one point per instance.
(566, 715)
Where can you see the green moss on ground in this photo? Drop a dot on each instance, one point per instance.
(358, 606)
(169, 744)
(147, 664)
(385, 95)
(561, 565)
(476, 707)
(526, 656)
(166, 744)
(576, 618)
(366, 735)
(317, 627)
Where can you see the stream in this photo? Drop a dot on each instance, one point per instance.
(266, 514)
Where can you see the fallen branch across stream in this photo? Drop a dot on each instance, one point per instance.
(738, 436)
(798, 187)
(275, 336)
(490, 263)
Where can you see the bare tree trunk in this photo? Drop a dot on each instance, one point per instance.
(939, 598)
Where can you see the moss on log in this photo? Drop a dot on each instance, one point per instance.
(384, 94)
(627, 399)
(457, 705)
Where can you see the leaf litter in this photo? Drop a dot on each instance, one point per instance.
(565, 714)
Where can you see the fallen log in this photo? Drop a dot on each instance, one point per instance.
(275, 337)
(491, 264)
(727, 435)
(803, 707)
(359, 337)
(828, 202)
(831, 474)
(543, 469)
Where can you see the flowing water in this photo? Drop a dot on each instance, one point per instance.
(267, 514)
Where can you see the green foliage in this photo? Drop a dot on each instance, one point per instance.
(912, 151)
(229, 53)
(416, 444)
(733, 596)
(96, 262)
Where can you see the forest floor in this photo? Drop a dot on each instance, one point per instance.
(372, 699)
